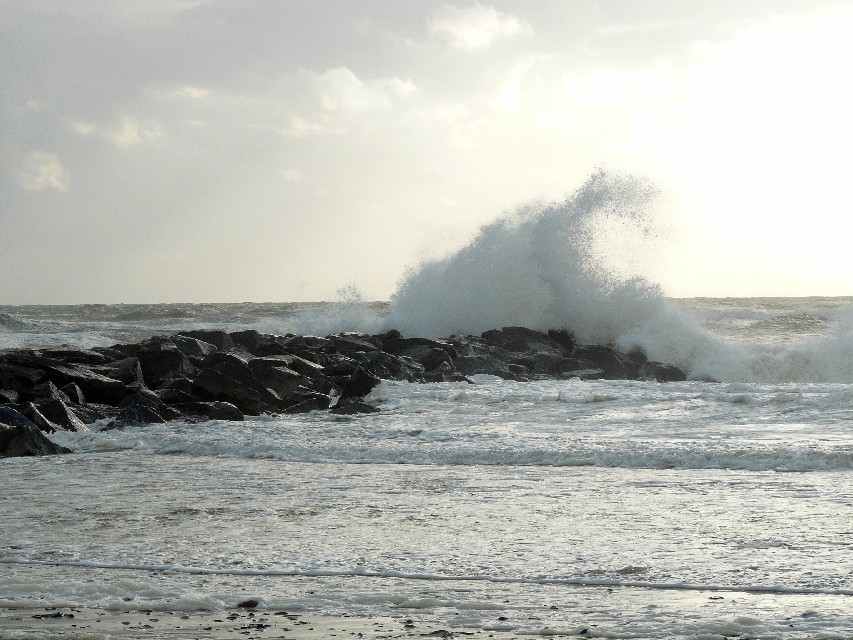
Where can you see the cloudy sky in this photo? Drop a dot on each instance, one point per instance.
(211, 150)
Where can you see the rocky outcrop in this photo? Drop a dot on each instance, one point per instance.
(214, 375)
(20, 437)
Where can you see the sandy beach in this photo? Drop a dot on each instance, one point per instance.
(93, 623)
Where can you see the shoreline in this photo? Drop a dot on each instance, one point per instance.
(85, 623)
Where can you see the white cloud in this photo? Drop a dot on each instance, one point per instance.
(43, 171)
(195, 93)
(129, 132)
(474, 27)
(301, 127)
(340, 90)
(83, 128)
(293, 176)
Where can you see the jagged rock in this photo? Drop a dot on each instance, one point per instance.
(162, 360)
(97, 387)
(260, 344)
(76, 356)
(193, 347)
(522, 339)
(484, 363)
(49, 391)
(128, 370)
(309, 402)
(58, 413)
(14, 418)
(350, 343)
(143, 407)
(26, 440)
(278, 378)
(74, 394)
(386, 365)
(351, 406)
(219, 339)
(336, 364)
(662, 372)
(311, 344)
(40, 420)
(563, 338)
(227, 376)
(307, 368)
(614, 365)
(19, 378)
(359, 384)
(211, 410)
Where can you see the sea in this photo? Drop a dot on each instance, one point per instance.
(719, 507)
(697, 509)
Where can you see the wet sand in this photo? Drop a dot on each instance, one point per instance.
(92, 624)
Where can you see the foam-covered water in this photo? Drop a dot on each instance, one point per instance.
(630, 509)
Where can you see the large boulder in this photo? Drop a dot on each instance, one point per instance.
(60, 414)
(359, 384)
(273, 374)
(193, 347)
(219, 339)
(75, 356)
(26, 440)
(227, 376)
(614, 364)
(127, 370)
(161, 359)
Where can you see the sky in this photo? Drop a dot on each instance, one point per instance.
(210, 150)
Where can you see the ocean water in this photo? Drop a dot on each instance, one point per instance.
(717, 507)
(634, 509)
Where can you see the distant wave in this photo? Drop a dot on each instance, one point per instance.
(9, 322)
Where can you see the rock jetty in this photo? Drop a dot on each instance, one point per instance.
(213, 375)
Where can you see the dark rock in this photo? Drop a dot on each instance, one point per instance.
(336, 364)
(359, 384)
(662, 372)
(302, 366)
(309, 402)
(142, 407)
(9, 396)
(614, 365)
(349, 343)
(162, 360)
(248, 604)
(297, 344)
(26, 440)
(19, 377)
(522, 339)
(211, 410)
(272, 373)
(76, 356)
(40, 420)
(58, 413)
(219, 339)
(96, 387)
(227, 376)
(14, 418)
(193, 347)
(391, 367)
(74, 394)
(49, 391)
(128, 370)
(563, 338)
(484, 363)
(350, 406)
